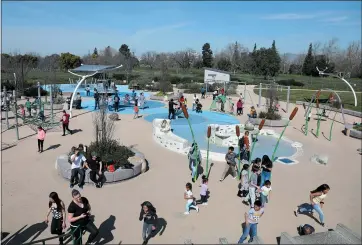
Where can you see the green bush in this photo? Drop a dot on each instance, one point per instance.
(175, 80)
(269, 115)
(290, 82)
(357, 127)
(123, 76)
(33, 92)
(59, 100)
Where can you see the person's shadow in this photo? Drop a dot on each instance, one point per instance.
(160, 229)
(309, 214)
(105, 231)
(23, 236)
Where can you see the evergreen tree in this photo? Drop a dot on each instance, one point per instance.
(95, 53)
(274, 60)
(236, 58)
(207, 58)
(308, 65)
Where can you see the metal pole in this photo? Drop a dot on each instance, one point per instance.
(6, 108)
(260, 95)
(16, 114)
(39, 96)
(288, 94)
(51, 102)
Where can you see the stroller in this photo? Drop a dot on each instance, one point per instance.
(198, 106)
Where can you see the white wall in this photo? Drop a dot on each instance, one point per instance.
(217, 76)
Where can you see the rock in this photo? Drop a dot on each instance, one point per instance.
(249, 126)
(114, 116)
(136, 160)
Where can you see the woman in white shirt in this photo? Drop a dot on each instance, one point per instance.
(316, 202)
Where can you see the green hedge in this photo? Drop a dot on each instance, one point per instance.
(290, 82)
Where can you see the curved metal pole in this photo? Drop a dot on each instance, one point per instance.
(81, 81)
(308, 110)
(344, 80)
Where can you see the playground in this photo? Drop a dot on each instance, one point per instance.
(116, 207)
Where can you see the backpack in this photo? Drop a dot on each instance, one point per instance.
(241, 142)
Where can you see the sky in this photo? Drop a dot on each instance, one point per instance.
(47, 27)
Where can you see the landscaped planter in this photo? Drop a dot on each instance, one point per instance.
(139, 166)
(269, 123)
(355, 134)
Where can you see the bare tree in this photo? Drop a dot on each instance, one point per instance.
(149, 59)
(330, 50)
(317, 48)
(184, 59)
(349, 60)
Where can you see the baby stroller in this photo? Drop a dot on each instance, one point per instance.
(198, 106)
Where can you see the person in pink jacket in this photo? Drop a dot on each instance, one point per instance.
(41, 137)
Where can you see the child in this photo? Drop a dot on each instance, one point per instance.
(22, 111)
(232, 109)
(244, 182)
(251, 222)
(188, 196)
(135, 111)
(203, 191)
(265, 193)
(305, 230)
(253, 186)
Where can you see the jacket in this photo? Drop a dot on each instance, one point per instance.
(150, 218)
(41, 134)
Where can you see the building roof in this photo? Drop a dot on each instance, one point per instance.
(92, 68)
(216, 70)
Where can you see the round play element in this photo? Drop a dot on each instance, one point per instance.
(249, 126)
(180, 120)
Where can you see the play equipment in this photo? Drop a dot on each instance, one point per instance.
(218, 104)
(280, 91)
(208, 134)
(292, 115)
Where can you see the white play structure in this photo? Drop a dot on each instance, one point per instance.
(223, 135)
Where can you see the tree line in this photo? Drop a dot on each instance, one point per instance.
(236, 58)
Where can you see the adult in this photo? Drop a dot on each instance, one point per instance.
(41, 138)
(194, 156)
(214, 94)
(78, 100)
(171, 109)
(203, 91)
(230, 164)
(134, 94)
(266, 166)
(57, 208)
(244, 145)
(96, 99)
(239, 107)
(96, 166)
(79, 211)
(194, 102)
(78, 163)
(142, 101)
(149, 217)
(316, 198)
(116, 102)
(65, 122)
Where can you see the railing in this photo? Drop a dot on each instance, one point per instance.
(65, 236)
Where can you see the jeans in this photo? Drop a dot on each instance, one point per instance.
(88, 93)
(190, 205)
(193, 106)
(90, 227)
(66, 127)
(76, 171)
(203, 199)
(229, 167)
(40, 144)
(194, 170)
(116, 106)
(171, 112)
(96, 104)
(248, 229)
(56, 228)
(146, 231)
(251, 196)
(308, 208)
(263, 199)
(264, 177)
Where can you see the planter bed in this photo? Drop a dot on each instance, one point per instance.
(269, 123)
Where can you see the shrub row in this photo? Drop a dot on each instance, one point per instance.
(290, 82)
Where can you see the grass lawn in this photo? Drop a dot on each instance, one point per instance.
(346, 97)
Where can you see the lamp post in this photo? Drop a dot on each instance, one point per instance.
(292, 115)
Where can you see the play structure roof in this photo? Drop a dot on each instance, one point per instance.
(93, 68)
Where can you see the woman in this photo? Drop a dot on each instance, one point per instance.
(194, 160)
(316, 202)
(57, 208)
(79, 211)
(142, 101)
(149, 217)
(239, 107)
(41, 137)
(267, 166)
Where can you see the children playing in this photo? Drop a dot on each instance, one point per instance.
(251, 222)
(135, 111)
(265, 193)
(190, 200)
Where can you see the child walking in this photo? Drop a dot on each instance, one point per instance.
(265, 193)
(244, 182)
(253, 186)
(203, 191)
(41, 137)
(135, 111)
(190, 200)
(251, 222)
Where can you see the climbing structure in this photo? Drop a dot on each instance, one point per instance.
(222, 103)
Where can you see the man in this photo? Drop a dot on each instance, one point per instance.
(230, 164)
(171, 109)
(87, 89)
(78, 162)
(96, 99)
(28, 106)
(65, 122)
(116, 102)
(96, 167)
(203, 91)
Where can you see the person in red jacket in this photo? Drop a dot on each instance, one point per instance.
(65, 122)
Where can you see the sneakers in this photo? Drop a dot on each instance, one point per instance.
(186, 213)
(322, 224)
(71, 186)
(296, 213)
(197, 209)
(221, 180)
(250, 240)
(80, 186)
(205, 204)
